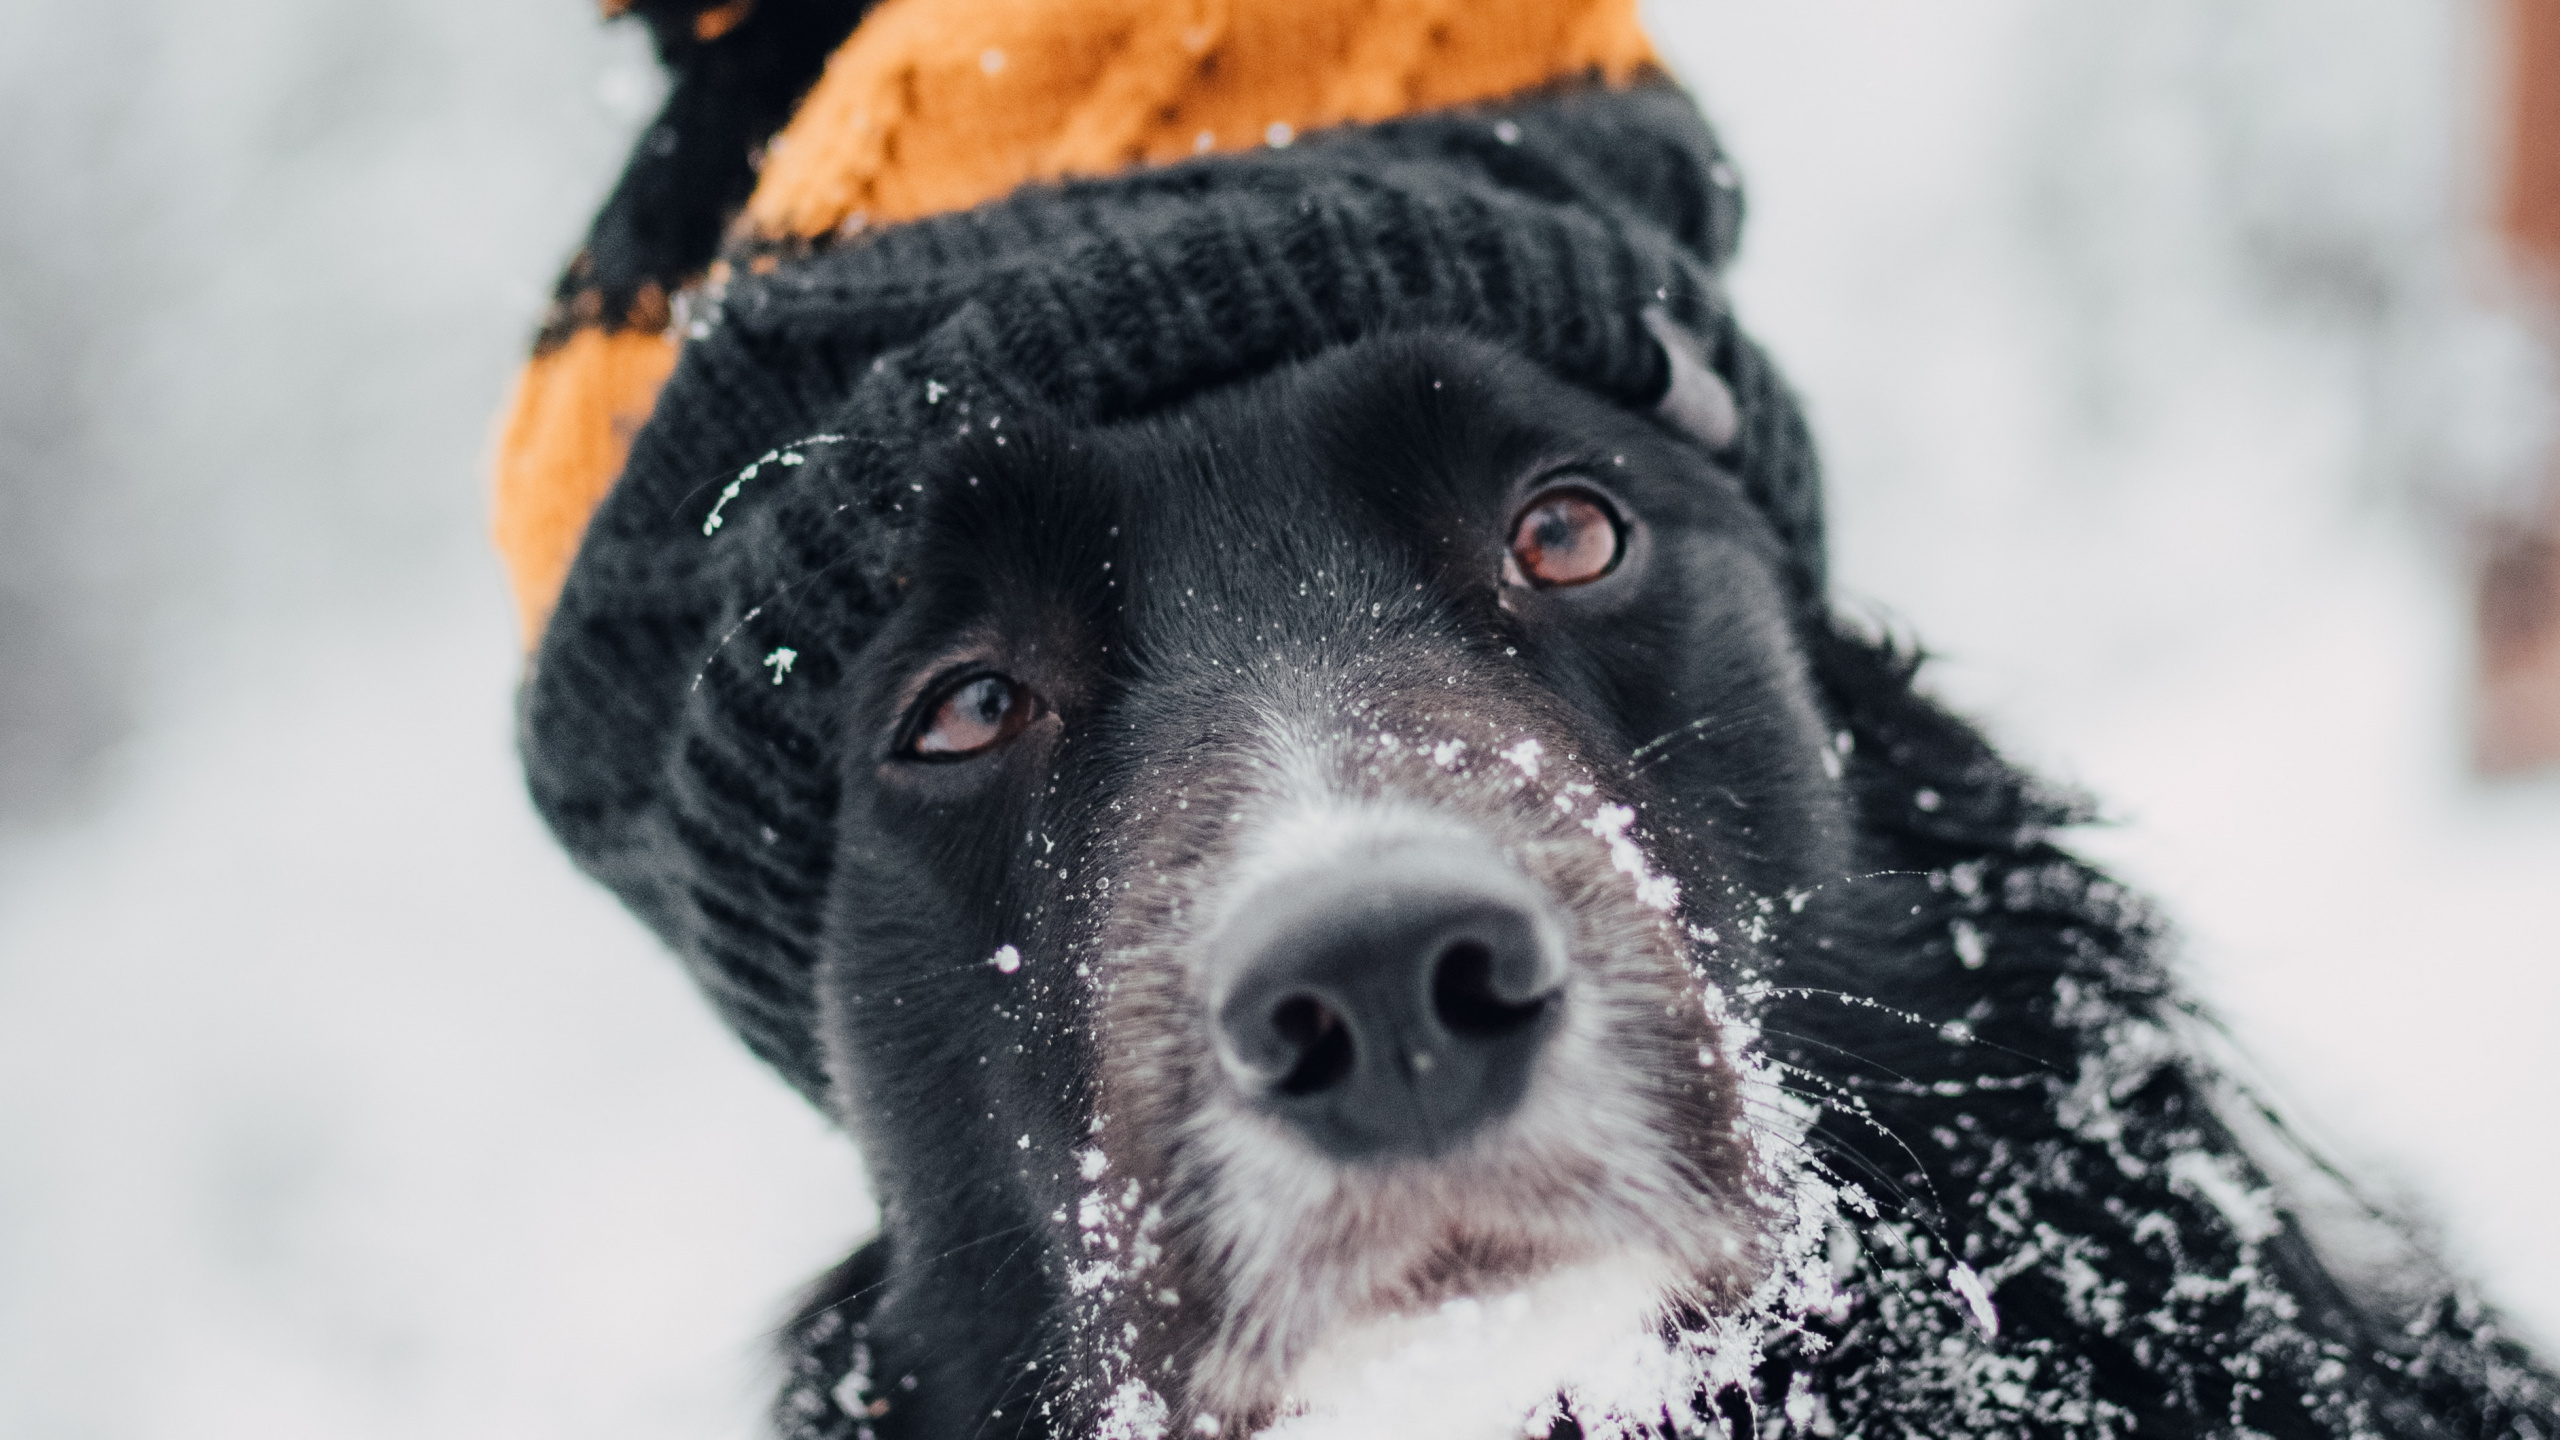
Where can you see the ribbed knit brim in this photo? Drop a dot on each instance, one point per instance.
(659, 744)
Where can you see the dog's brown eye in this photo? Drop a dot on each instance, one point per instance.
(1565, 537)
(975, 715)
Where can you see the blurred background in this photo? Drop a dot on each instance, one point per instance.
(2186, 382)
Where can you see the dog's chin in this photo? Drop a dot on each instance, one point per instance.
(1487, 1365)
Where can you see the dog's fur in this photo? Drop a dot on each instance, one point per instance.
(1269, 631)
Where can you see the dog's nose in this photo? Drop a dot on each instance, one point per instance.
(1391, 1006)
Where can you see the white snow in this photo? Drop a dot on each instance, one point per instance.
(1977, 1296)
(1475, 1369)
(1612, 823)
(1525, 754)
(1971, 947)
(337, 1103)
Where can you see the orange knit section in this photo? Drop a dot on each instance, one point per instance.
(939, 105)
(567, 432)
(933, 106)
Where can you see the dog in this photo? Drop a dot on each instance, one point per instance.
(1364, 887)
(1316, 849)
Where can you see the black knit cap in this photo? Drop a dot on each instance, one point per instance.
(755, 533)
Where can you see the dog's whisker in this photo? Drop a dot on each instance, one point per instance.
(1758, 993)
(1857, 1110)
(1013, 1385)
(1701, 728)
(1823, 1150)
(974, 1242)
(1841, 1051)
(779, 1333)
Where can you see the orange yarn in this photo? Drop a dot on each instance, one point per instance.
(933, 106)
(938, 105)
(568, 430)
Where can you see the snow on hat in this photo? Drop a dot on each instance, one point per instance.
(1091, 208)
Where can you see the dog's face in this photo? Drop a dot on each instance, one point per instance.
(1291, 850)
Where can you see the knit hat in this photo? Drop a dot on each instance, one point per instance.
(1088, 208)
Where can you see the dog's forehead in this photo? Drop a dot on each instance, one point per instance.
(1340, 497)
(1274, 507)
(1340, 461)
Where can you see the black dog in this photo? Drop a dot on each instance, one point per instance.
(1268, 734)
(1370, 783)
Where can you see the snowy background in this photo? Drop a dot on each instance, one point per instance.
(2153, 346)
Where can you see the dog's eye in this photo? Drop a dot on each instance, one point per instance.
(974, 716)
(1563, 537)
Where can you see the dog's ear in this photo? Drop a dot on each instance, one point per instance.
(1696, 401)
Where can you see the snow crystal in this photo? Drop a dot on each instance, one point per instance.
(1525, 756)
(786, 456)
(1977, 1296)
(852, 1394)
(2249, 1209)
(1611, 824)
(1134, 1412)
(1970, 946)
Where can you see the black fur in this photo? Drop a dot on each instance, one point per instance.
(2006, 1071)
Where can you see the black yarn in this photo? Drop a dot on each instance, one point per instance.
(696, 163)
(657, 741)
